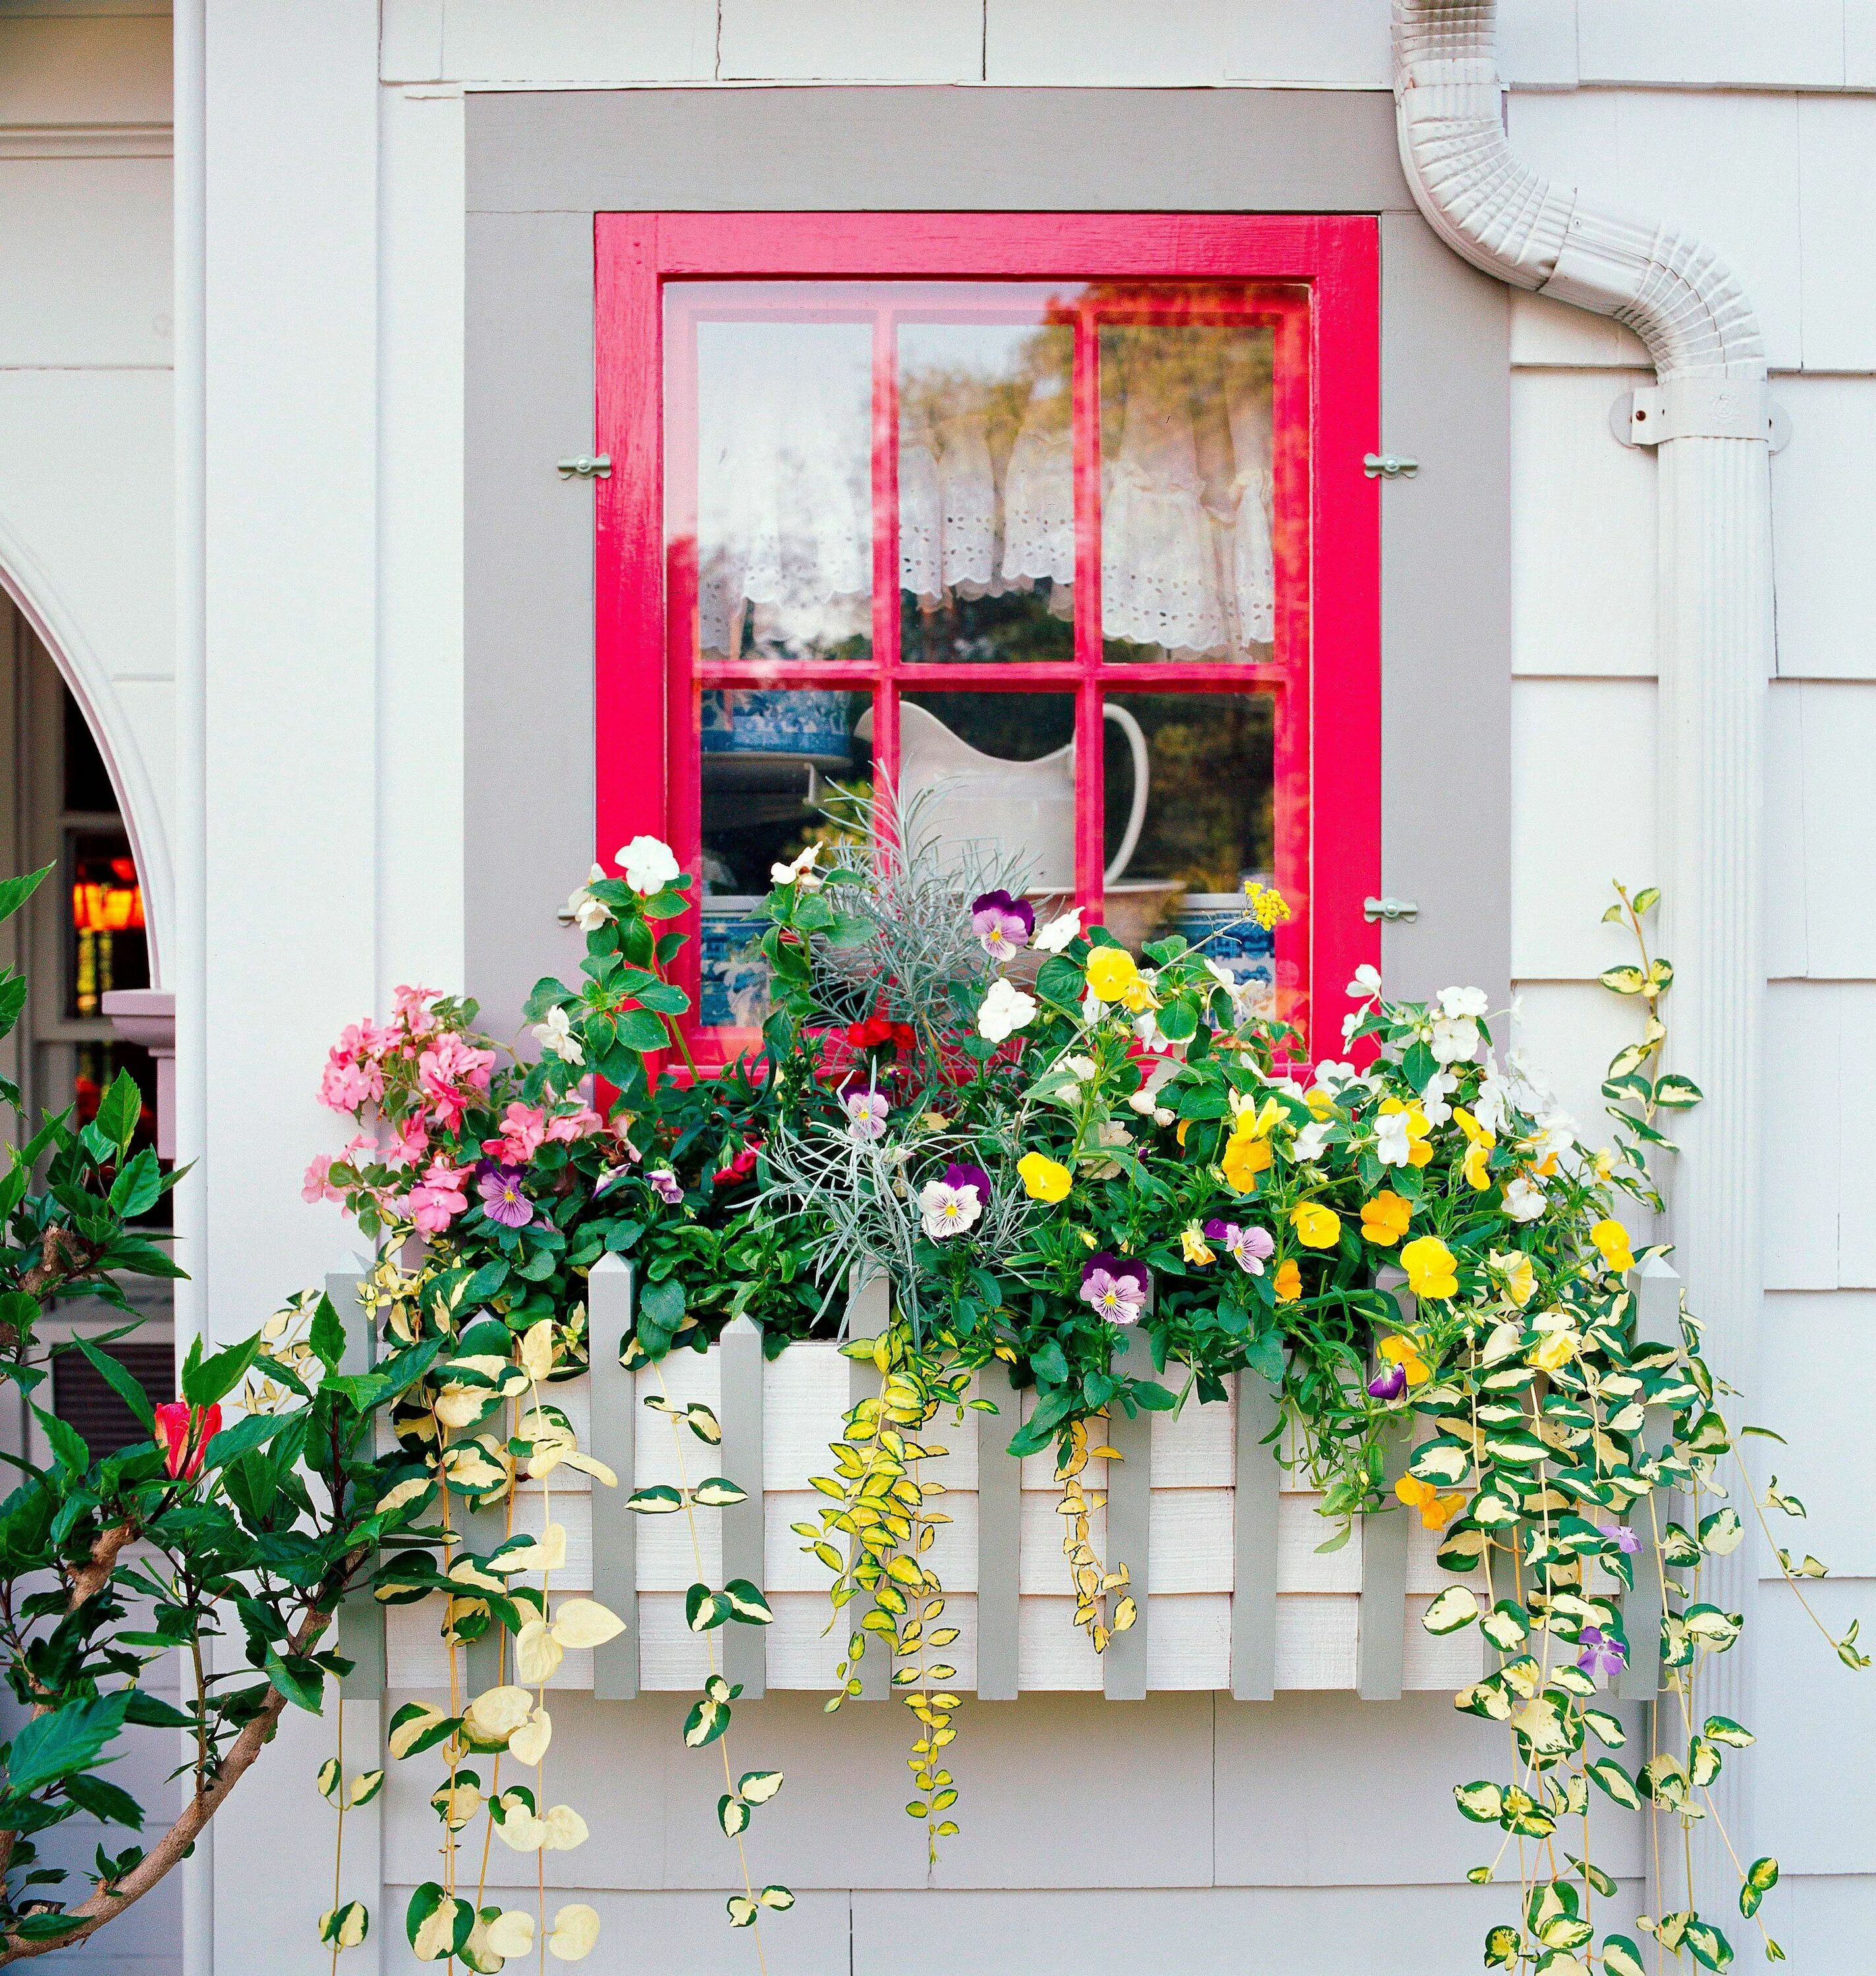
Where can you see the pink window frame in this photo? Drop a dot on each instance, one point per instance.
(1326, 677)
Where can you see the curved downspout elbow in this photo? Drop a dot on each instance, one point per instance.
(1681, 298)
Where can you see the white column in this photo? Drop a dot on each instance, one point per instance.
(288, 859)
(1715, 650)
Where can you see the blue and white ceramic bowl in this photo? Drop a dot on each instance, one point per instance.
(743, 720)
(734, 988)
(1220, 925)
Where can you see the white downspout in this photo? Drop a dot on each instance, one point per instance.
(190, 979)
(1710, 417)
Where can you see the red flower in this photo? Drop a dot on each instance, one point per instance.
(876, 1030)
(186, 1432)
(740, 1167)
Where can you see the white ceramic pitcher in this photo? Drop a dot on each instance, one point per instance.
(1026, 808)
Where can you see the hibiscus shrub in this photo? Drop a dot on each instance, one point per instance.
(247, 1531)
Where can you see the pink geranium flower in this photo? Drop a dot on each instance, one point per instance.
(317, 1185)
(439, 1198)
(413, 1006)
(524, 1129)
(348, 1086)
(450, 1074)
(573, 1125)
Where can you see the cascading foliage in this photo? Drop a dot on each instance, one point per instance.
(1045, 1144)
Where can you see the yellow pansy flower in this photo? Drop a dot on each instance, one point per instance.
(1288, 1283)
(1557, 1350)
(1405, 1353)
(1516, 1271)
(1320, 1100)
(1429, 1265)
(1437, 1511)
(1246, 1156)
(1043, 1179)
(1611, 1238)
(1136, 998)
(1384, 1219)
(1193, 1243)
(1317, 1227)
(1112, 972)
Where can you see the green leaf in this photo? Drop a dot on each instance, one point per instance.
(1483, 1802)
(293, 1682)
(704, 1610)
(747, 1603)
(660, 1499)
(328, 1335)
(69, 1739)
(1620, 1957)
(109, 1803)
(759, 1786)
(120, 1109)
(1628, 980)
(1609, 1776)
(662, 1303)
(1761, 1877)
(1450, 1610)
(640, 1030)
(1711, 1949)
(205, 1381)
(1723, 1729)
(14, 892)
(718, 1492)
(251, 1431)
(122, 1381)
(68, 1444)
(138, 1187)
(707, 1720)
(733, 1815)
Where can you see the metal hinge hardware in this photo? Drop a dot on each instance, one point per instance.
(1389, 909)
(589, 466)
(1388, 466)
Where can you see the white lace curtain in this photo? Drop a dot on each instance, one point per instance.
(784, 508)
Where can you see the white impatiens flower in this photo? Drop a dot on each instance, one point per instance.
(1393, 1144)
(1366, 983)
(1349, 1025)
(1004, 1010)
(1311, 1140)
(650, 865)
(588, 913)
(1456, 1001)
(1455, 1039)
(1059, 931)
(1332, 1075)
(556, 1036)
(800, 871)
(1524, 1199)
(1439, 1088)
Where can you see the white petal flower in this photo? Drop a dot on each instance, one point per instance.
(1366, 983)
(556, 1038)
(800, 871)
(586, 912)
(946, 1210)
(650, 865)
(1006, 1009)
(1349, 1025)
(1454, 1039)
(1524, 1199)
(1463, 1001)
(1439, 1088)
(1058, 931)
(1393, 1144)
(1311, 1140)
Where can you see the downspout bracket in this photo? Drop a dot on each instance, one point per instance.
(1699, 408)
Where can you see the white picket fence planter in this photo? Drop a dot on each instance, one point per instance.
(1220, 1541)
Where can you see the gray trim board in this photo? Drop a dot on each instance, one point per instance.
(934, 149)
(541, 163)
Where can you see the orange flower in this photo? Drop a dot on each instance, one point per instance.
(1384, 1219)
(1288, 1283)
(1403, 1352)
(1437, 1511)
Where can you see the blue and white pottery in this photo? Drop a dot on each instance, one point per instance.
(752, 720)
(1220, 925)
(733, 992)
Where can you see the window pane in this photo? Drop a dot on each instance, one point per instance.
(1187, 567)
(987, 491)
(1189, 818)
(784, 499)
(769, 761)
(997, 770)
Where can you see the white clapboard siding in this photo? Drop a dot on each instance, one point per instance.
(1187, 1577)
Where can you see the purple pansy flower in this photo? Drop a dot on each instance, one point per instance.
(1388, 1383)
(1250, 1246)
(1603, 1653)
(502, 1198)
(1627, 1541)
(1116, 1289)
(867, 1113)
(1002, 924)
(665, 1185)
